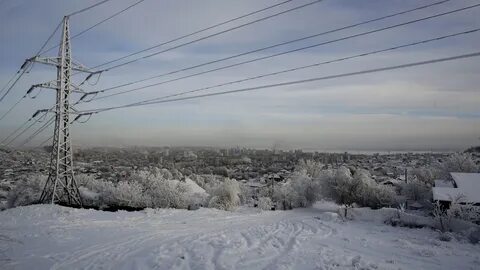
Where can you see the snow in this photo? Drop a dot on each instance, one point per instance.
(194, 187)
(443, 183)
(469, 184)
(55, 237)
(467, 190)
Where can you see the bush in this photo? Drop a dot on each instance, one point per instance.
(342, 187)
(467, 212)
(443, 217)
(456, 163)
(27, 191)
(359, 189)
(284, 197)
(226, 196)
(416, 190)
(310, 168)
(305, 190)
(377, 196)
(425, 175)
(142, 189)
(265, 203)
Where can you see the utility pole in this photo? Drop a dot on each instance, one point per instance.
(61, 186)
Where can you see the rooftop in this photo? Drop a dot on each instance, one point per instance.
(467, 190)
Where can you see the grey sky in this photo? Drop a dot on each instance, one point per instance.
(433, 107)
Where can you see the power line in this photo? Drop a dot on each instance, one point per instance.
(45, 141)
(38, 131)
(97, 24)
(25, 67)
(279, 54)
(25, 129)
(41, 130)
(413, 64)
(8, 83)
(211, 35)
(49, 138)
(317, 64)
(11, 108)
(87, 8)
(195, 32)
(49, 38)
(281, 44)
(22, 72)
(16, 130)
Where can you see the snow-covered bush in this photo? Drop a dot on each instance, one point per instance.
(342, 187)
(360, 189)
(443, 217)
(456, 163)
(377, 196)
(309, 167)
(284, 196)
(161, 193)
(425, 175)
(265, 203)
(305, 190)
(300, 190)
(466, 212)
(416, 190)
(27, 191)
(128, 194)
(140, 190)
(226, 196)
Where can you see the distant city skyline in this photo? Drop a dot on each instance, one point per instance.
(426, 108)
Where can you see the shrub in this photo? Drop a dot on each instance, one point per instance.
(305, 190)
(265, 203)
(142, 189)
(456, 163)
(376, 196)
(425, 175)
(467, 212)
(284, 197)
(443, 217)
(347, 189)
(416, 190)
(342, 187)
(226, 196)
(27, 191)
(309, 167)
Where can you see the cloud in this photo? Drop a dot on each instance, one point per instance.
(425, 107)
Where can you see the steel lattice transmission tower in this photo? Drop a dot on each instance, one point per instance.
(61, 186)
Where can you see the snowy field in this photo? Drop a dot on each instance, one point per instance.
(54, 237)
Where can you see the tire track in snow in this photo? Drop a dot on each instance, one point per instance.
(259, 247)
(239, 242)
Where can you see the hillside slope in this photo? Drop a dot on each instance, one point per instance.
(45, 237)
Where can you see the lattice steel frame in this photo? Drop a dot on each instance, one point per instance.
(61, 186)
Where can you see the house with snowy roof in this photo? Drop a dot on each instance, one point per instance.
(464, 188)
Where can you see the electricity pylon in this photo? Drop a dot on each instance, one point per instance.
(61, 186)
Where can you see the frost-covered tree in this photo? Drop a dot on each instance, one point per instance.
(27, 191)
(226, 196)
(310, 167)
(377, 196)
(284, 196)
(305, 189)
(265, 203)
(456, 163)
(416, 190)
(342, 187)
(425, 175)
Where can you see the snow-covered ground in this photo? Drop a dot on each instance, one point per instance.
(54, 237)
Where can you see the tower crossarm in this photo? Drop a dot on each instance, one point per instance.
(56, 61)
(54, 85)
